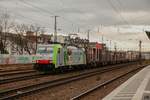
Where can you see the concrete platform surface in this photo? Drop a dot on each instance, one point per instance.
(135, 88)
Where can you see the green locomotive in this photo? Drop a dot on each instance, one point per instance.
(53, 57)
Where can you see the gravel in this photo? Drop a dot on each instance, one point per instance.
(16, 67)
(65, 92)
(102, 92)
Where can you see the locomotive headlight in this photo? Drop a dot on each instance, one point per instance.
(37, 61)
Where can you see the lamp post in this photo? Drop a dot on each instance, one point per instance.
(140, 50)
(140, 53)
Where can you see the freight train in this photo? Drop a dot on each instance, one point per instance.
(54, 57)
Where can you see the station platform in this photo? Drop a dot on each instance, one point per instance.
(135, 88)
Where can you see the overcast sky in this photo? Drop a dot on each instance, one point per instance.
(122, 21)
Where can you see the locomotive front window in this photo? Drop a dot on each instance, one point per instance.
(45, 50)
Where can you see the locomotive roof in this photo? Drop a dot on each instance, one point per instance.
(50, 45)
(73, 47)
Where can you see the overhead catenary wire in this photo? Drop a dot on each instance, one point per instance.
(121, 9)
(133, 19)
(19, 15)
(30, 19)
(47, 11)
(27, 19)
(118, 12)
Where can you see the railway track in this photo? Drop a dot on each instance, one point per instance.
(87, 92)
(26, 76)
(17, 75)
(16, 72)
(20, 78)
(3, 71)
(20, 91)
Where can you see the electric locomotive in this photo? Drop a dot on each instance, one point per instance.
(53, 57)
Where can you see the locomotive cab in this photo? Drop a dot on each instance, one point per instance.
(47, 57)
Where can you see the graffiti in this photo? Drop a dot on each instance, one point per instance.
(18, 59)
(7, 60)
(23, 59)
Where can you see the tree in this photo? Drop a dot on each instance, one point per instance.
(27, 38)
(6, 24)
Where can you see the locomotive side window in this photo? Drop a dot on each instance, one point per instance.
(41, 50)
(59, 50)
(69, 51)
